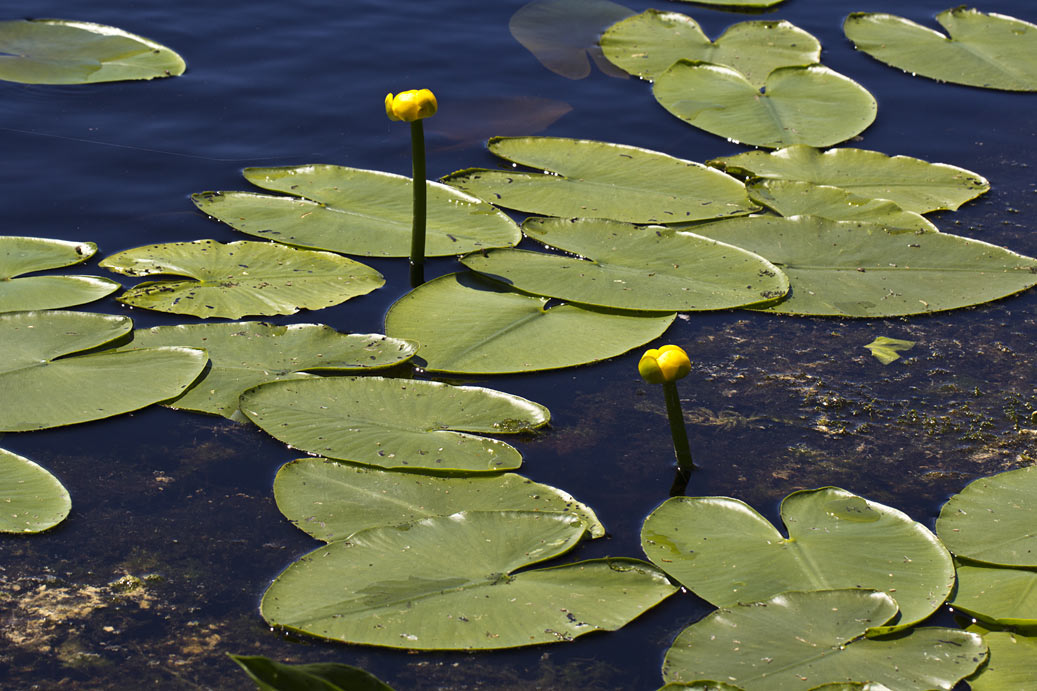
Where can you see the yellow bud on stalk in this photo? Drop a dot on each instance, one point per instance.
(410, 106)
(665, 365)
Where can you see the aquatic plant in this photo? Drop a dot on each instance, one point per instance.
(665, 365)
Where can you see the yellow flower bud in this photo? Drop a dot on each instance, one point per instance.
(412, 105)
(665, 364)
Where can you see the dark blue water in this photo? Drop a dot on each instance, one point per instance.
(782, 404)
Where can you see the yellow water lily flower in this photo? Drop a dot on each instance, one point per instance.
(667, 363)
(412, 105)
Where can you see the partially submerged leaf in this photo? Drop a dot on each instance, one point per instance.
(395, 423)
(912, 183)
(61, 51)
(474, 120)
(271, 675)
(474, 326)
(31, 499)
(986, 50)
(22, 255)
(240, 278)
(886, 349)
(466, 594)
(591, 179)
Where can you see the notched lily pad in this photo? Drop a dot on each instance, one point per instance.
(22, 255)
(31, 499)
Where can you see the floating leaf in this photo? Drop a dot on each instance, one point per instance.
(797, 198)
(60, 51)
(361, 212)
(586, 178)
(31, 499)
(448, 583)
(240, 278)
(647, 43)
(886, 349)
(1010, 665)
(912, 183)
(852, 269)
(1003, 596)
(395, 423)
(472, 326)
(994, 519)
(246, 354)
(332, 500)
(41, 388)
(726, 553)
(270, 675)
(800, 640)
(562, 33)
(633, 267)
(744, 4)
(22, 255)
(810, 105)
(986, 50)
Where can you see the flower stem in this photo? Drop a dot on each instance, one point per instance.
(677, 430)
(417, 240)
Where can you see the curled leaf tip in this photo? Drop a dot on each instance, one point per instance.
(410, 106)
(667, 363)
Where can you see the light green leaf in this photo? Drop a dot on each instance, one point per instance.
(797, 641)
(647, 43)
(31, 499)
(726, 552)
(473, 326)
(589, 179)
(994, 519)
(620, 265)
(270, 675)
(1001, 595)
(853, 269)
(332, 500)
(360, 212)
(810, 105)
(395, 423)
(886, 349)
(22, 255)
(914, 184)
(987, 50)
(247, 354)
(1010, 665)
(40, 387)
(447, 583)
(240, 278)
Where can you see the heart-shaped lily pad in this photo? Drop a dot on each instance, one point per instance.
(448, 583)
(810, 105)
(31, 499)
(240, 278)
(22, 255)
(332, 500)
(986, 50)
(589, 179)
(614, 264)
(395, 423)
(360, 212)
(246, 354)
(470, 325)
(61, 51)
(727, 553)
(648, 43)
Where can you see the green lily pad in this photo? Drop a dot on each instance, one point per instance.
(726, 553)
(798, 198)
(332, 500)
(395, 423)
(22, 255)
(270, 675)
(1001, 595)
(915, 185)
(589, 179)
(887, 350)
(32, 499)
(469, 325)
(43, 388)
(61, 51)
(799, 640)
(1010, 665)
(810, 105)
(648, 43)
(987, 50)
(359, 212)
(853, 269)
(743, 4)
(701, 686)
(632, 267)
(994, 519)
(246, 354)
(448, 583)
(240, 278)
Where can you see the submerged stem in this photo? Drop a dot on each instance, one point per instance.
(417, 240)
